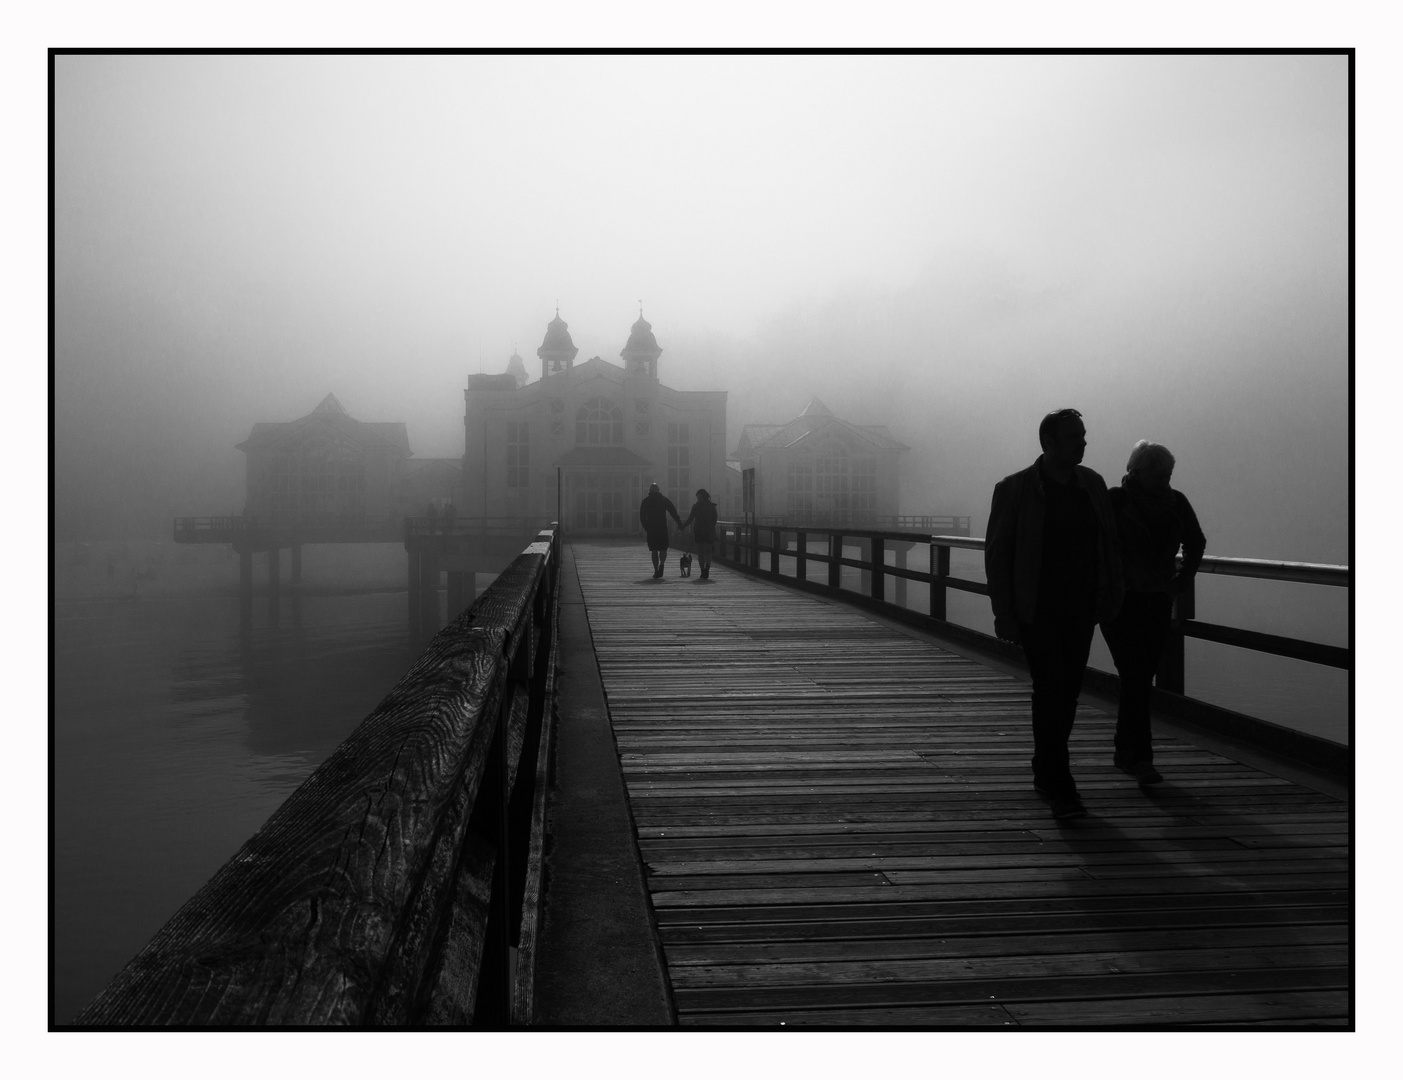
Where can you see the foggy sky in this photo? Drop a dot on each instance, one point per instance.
(949, 245)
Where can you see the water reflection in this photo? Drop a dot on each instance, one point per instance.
(305, 676)
(178, 728)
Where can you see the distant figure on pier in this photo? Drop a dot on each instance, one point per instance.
(1054, 572)
(652, 514)
(1152, 521)
(449, 513)
(704, 531)
(432, 515)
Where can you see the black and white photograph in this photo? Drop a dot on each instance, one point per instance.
(629, 540)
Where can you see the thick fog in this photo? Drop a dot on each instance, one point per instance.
(951, 246)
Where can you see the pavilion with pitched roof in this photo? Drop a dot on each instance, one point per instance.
(820, 469)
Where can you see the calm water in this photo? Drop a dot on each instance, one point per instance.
(176, 735)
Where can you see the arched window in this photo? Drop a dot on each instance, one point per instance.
(599, 422)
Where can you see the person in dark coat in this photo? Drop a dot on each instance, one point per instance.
(1152, 521)
(652, 515)
(704, 530)
(1053, 571)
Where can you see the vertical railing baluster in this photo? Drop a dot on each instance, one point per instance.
(835, 566)
(801, 547)
(940, 570)
(879, 558)
(776, 538)
(1170, 675)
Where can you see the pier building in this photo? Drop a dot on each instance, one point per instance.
(328, 467)
(587, 438)
(823, 470)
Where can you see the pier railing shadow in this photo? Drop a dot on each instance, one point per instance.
(400, 884)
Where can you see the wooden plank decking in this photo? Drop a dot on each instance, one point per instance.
(839, 828)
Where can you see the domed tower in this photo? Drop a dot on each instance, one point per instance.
(557, 351)
(641, 353)
(516, 368)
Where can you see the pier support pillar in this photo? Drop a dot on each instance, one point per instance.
(462, 591)
(295, 573)
(428, 594)
(412, 578)
(455, 595)
(245, 590)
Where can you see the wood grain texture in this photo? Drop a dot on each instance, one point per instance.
(839, 828)
(331, 913)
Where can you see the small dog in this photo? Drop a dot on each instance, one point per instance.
(685, 564)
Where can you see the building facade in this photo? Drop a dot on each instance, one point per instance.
(821, 470)
(587, 438)
(327, 468)
(324, 465)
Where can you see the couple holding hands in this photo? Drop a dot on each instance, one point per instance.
(653, 513)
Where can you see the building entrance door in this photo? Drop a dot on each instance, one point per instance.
(600, 503)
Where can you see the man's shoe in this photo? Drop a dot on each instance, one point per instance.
(1067, 806)
(1144, 771)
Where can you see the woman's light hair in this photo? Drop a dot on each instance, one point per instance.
(1148, 455)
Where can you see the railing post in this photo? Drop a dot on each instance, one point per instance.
(835, 553)
(1170, 675)
(878, 550)
(776, 538)
(940, 570)
(801, 547)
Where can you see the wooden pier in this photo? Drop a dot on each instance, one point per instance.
(838, 827)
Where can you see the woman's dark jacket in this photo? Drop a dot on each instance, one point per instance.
(704, 514)
(1150, 529)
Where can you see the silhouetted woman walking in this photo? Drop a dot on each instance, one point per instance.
(1152, 521)
(704, 531)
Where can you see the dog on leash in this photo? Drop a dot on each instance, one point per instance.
(685, 564)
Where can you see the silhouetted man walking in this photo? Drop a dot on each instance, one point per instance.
(652, 515)
(1054, 572)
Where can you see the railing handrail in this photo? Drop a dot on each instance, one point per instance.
(1273, 569)
(865, 519)
(390, 887)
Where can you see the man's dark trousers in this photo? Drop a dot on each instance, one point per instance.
(1057, 653)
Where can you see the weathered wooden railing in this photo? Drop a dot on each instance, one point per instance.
(400, 884)
(761, 548)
